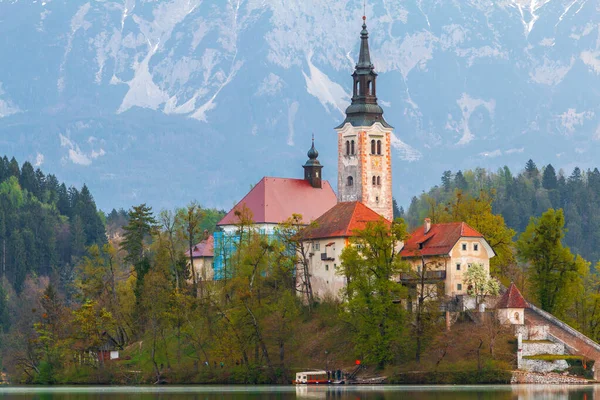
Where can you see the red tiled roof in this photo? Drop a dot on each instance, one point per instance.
(512, 298)
(274, 200)
(341, 221)
(440, 239)
(203, 249)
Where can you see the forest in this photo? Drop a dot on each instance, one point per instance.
(78, 283)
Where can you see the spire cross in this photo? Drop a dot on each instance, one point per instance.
(364, 10)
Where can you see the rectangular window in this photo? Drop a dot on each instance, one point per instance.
(316, 246)
(459, 286)
(476, 247)
(326, 267)
(335, 266)
(458, 267)
(464, 247)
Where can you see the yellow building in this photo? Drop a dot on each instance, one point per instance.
(442, 253)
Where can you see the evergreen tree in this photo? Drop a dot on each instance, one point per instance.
(447, 180)
(549, 180)
(62, 203)
(396, 210)
(27, 179)
(460, 182)
(14, 169)
(141, 225)
(531, 169)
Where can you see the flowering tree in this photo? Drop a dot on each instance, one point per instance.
(480, 284)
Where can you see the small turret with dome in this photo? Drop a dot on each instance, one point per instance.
(312, 167)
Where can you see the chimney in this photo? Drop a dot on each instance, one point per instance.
(426, 225)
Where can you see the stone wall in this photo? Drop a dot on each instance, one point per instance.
(565, 327)
(543, 366)
(532, 377)
(534, 348)
(539, 332)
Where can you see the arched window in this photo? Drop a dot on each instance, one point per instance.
(372, 147)
(378, 181)
(352, 147)
(374, 181)
(379, 147)
(350, 181)
(347, 147)
(369, 88)
(355, 88)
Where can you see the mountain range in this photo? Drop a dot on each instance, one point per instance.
(167, 101)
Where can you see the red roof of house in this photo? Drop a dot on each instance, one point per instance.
(274, 200)
(341, 221)
(439, 240)
(512, 298)
(203, 249)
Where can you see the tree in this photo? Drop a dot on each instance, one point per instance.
(290, 234)
(531, 169)
(552, 267)
(549, 180)
(370, 295)
(480, 284)
(477, 212)
(447, 180)
(141, 225)
(460, 182)
(189, 222)
(427, 308)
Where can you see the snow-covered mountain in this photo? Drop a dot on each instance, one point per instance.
(168, 101)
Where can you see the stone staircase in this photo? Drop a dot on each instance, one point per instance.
(573, 341)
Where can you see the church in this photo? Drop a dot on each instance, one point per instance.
(364, 194)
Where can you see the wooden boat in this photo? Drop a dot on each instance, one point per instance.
(316, 378)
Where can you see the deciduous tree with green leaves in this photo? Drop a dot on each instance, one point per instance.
(553, 269)
(370, 297)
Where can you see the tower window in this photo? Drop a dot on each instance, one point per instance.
(372, 147)
(355, 88)
(347, 147)
(350, 181)
(378, 181)
(374, 181)
(379, 147)
(369, 88)
(352, 147)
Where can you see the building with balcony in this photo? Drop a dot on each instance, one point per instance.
(440, 254)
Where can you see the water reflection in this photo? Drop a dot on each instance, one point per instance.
(518, 392)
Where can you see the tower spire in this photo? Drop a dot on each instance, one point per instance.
(312, 167)
(364, 110)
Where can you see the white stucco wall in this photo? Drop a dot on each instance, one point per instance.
(512, 316)
(324, 278)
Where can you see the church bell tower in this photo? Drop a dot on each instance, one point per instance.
(364, 141)
(312, 168)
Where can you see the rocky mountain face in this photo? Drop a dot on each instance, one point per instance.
(168, 101)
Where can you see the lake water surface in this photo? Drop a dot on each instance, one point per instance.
(478, 392)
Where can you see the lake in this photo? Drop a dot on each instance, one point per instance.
(478, 392)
